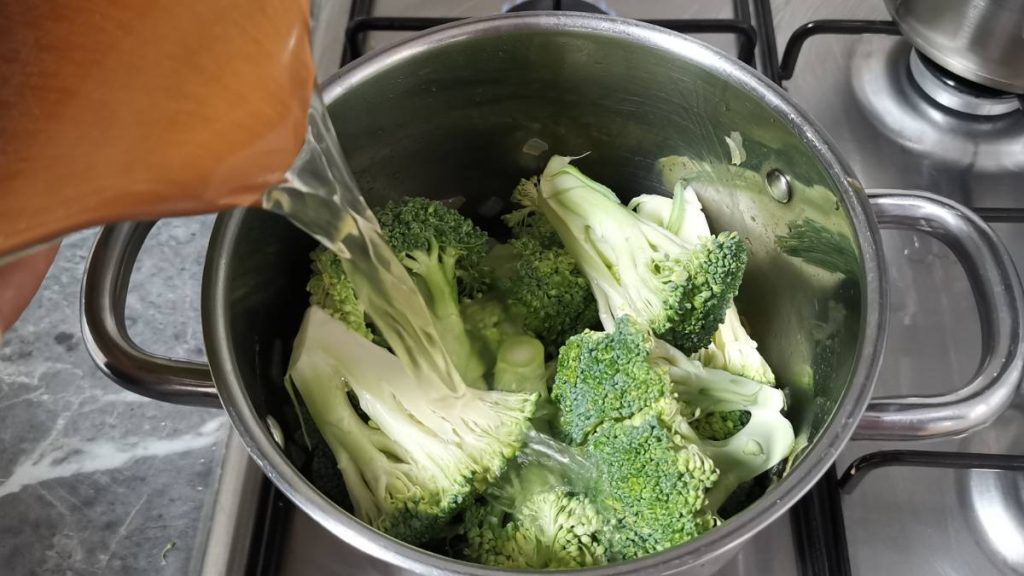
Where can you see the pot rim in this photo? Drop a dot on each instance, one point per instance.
(818, 458)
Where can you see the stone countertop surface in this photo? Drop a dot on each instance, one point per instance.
(95, 479)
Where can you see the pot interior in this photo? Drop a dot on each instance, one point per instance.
(452, 118)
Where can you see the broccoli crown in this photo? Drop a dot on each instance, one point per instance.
(702, 288)
(525, 223)
(550, 530)
(444, 251)
(747, 432)
(330, 289)
(536, 517)
(546, 291)
(604, 376)
(488, 323)
(426, 447)
(425, 232)
(720, 425)
(653, 482)
(731, 348)
(680, 288)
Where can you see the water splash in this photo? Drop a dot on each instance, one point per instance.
(321, 196)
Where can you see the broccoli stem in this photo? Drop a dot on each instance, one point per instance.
(606, 247)
(436, 278)
(520, 368)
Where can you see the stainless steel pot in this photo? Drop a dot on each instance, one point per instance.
(981, 40)
(448, 112)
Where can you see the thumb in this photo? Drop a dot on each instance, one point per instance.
(19, 281)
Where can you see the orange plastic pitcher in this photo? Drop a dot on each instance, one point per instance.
(127, 109)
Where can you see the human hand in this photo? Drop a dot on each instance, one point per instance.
(19, 281)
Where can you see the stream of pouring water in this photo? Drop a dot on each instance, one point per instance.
(320, 196)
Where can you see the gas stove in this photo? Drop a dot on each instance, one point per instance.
(901, 121)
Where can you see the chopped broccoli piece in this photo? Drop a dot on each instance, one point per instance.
(330, 289)
(608, 377)
(535, 519)
(734, 351)
(542, 284)
(444, 251)
(527, 224)
(763, 437)
(653, 482)
(731, 348)
(720, 425)
(520, 366)
(681, 289)
(604, 376)
(427, 446)
(488, 323)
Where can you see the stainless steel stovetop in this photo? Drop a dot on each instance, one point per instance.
(898, 520)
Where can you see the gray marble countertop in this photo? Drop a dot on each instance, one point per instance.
(94, 479)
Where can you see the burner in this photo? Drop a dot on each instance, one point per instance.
(958, 93)
(969, 157)
(995, 500)
(568, 5)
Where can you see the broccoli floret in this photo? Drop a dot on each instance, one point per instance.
(681, 289)
(542, 284)
(653, 481)
(720, 425)
(330, 289)
(488, 323)
(444, 251)
(534, 519)
(526, 223)
(604, 376)
(762, 436)
(428, 444)
(731, 348)
(734, 351)
(608, 377)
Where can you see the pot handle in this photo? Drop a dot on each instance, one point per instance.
(104, 289)
(997, 292)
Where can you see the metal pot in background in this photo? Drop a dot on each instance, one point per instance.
(450, 113)
(980, 40)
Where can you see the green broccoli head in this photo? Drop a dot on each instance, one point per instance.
(603, 376)
(747, 432)
(426, 446)
(731, 348)
(544, 289)
(678, 287)
(527, 224)
(426, 234)
(330, 289)
(653, 481)
(532, 519)
(720, 425)
(734, 351)
(702, 286)
(488, 323)
(444, 251)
